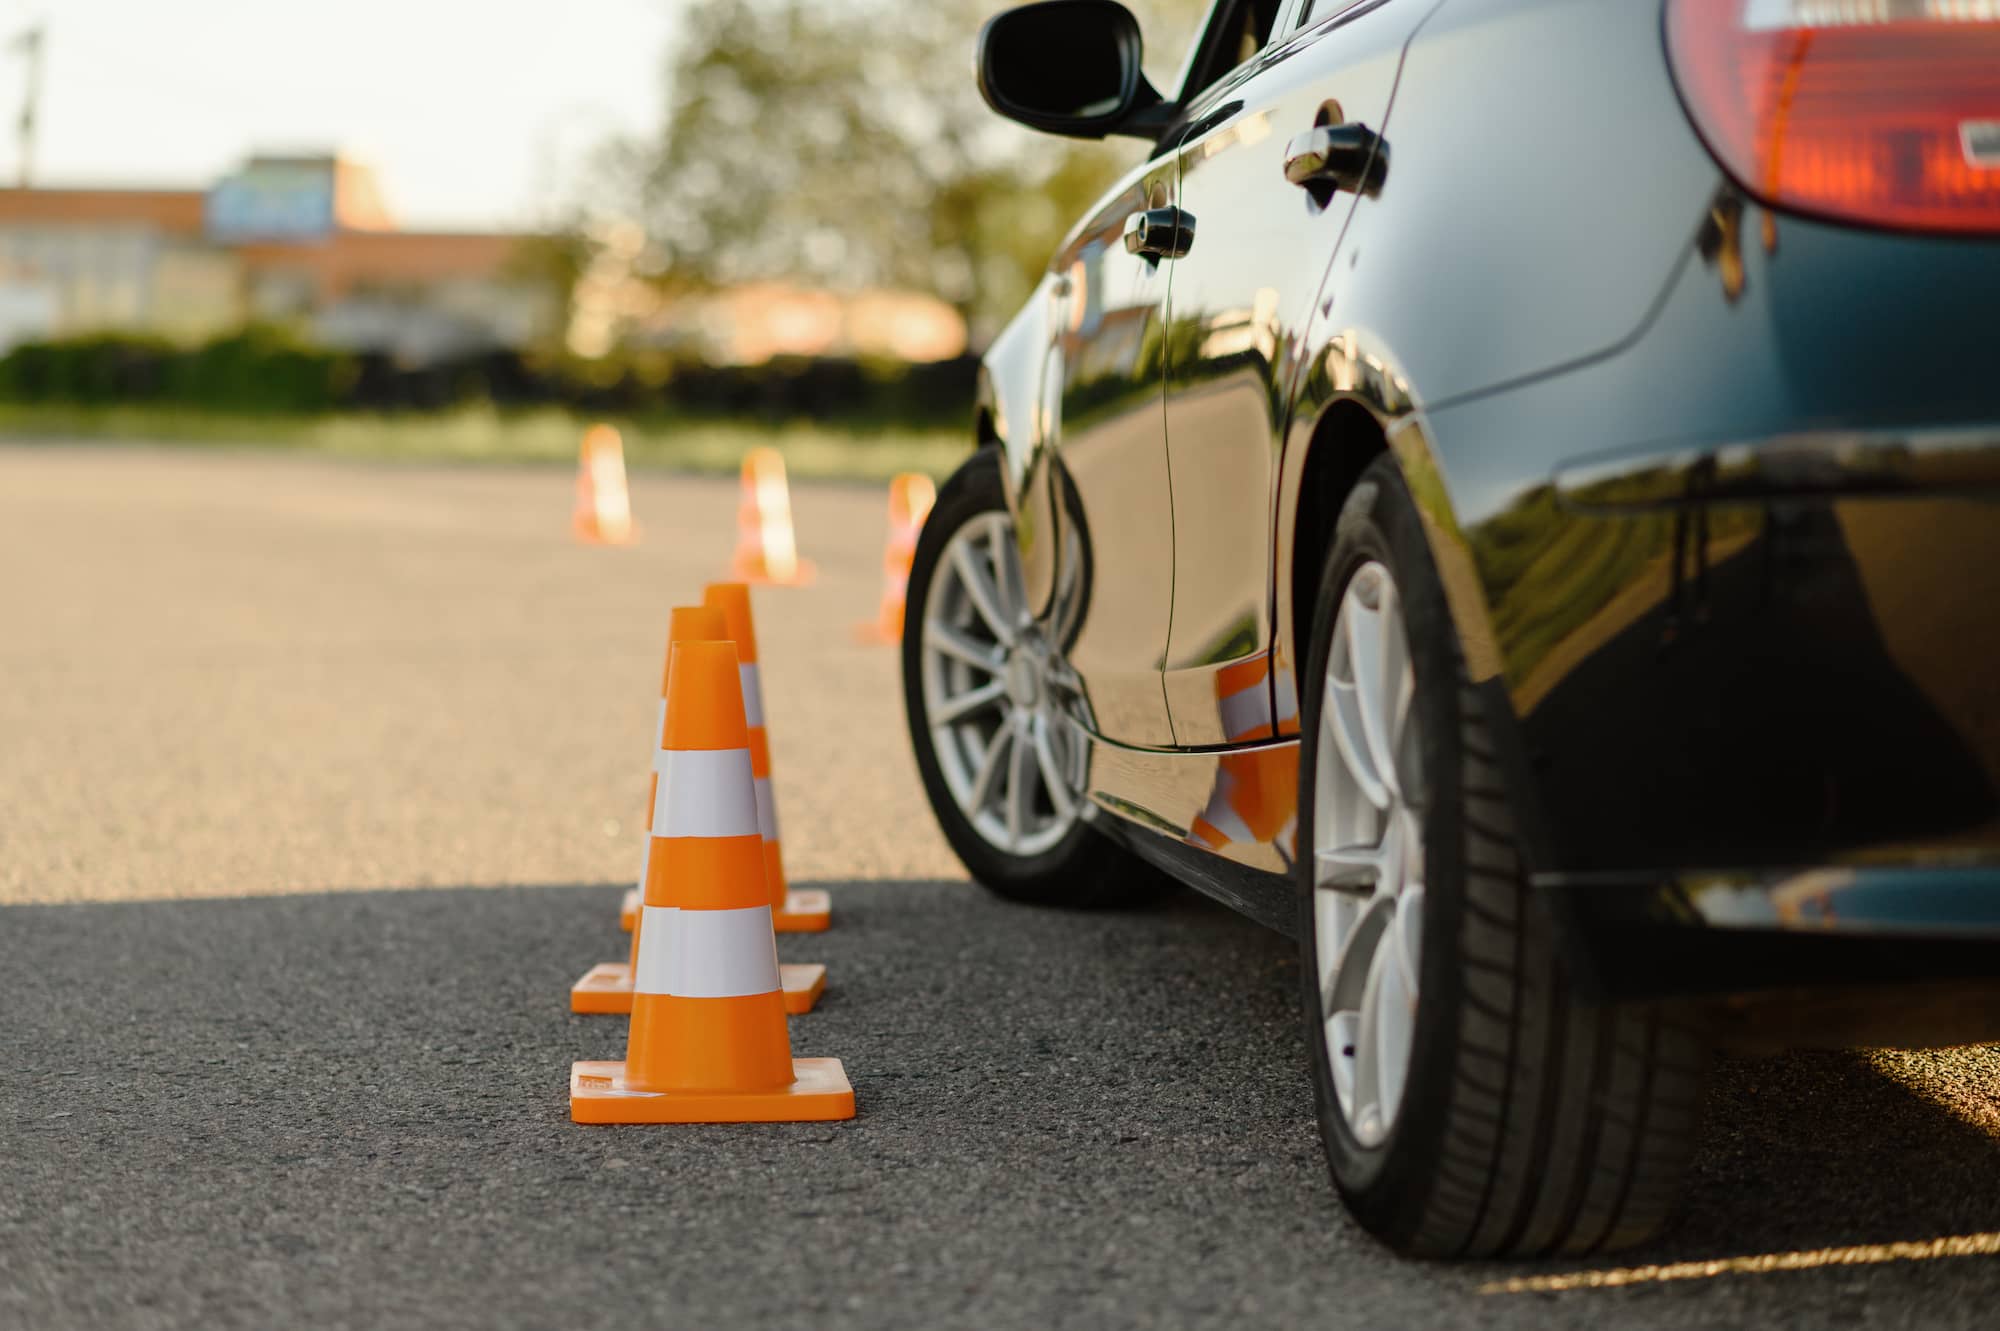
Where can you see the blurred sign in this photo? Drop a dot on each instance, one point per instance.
(273, 200)
(29, 309)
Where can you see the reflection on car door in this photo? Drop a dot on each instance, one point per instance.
(1238, 305)
(1106, 376)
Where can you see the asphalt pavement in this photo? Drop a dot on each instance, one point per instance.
(319, 783)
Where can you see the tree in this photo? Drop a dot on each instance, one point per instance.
(844, 144)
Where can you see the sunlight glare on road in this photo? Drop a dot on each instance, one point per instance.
(1858, 1254)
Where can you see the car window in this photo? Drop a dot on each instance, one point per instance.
(1237, 30)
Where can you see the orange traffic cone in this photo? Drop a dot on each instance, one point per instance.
(808, 910)
(603, 514)
(910, 498)
(708, 1041)
(608, 987)
(767, 549)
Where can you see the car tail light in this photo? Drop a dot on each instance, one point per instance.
(1878, 111)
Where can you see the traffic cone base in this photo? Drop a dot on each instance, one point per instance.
(607, 989)
(804, 983)
(819, 1093)
(806, 911)
(628, 909)
(603, 990)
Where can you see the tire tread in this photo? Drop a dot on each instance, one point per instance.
(1583, 1143)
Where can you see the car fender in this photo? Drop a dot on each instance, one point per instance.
(1013, 414)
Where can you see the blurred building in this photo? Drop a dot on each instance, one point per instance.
(748, 324)
(301, 240)
(751, 323)
(614, 303)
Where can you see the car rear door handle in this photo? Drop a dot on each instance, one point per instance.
(1159, 233)
(1351, 156)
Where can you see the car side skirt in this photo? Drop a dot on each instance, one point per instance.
(1224, 821)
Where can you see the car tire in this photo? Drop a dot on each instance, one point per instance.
(1529, 1120)
(1079, 867)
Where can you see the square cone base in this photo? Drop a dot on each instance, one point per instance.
(607, 989)
(807, 911)
(628, 910)
(598, 1094)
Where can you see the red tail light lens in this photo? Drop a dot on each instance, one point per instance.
(1878, 111)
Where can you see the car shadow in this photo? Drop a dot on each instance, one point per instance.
(1795, 1148)
(1825, 1160)
(1834, 1158)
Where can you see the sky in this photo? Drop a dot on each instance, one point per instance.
(473, 113)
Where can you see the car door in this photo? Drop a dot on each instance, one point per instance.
(1238, 303)
(1108, 575)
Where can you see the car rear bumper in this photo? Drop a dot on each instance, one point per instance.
(1733, 591)
(1791, 660)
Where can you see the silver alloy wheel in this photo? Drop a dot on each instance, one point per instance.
(996, 695)
(1368, 855)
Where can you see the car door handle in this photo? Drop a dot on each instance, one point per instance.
(1159, 233)
(1352, 157)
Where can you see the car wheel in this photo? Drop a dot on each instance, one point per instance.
(1471, 1103)
(989, 702)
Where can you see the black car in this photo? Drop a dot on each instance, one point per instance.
(1505, 493)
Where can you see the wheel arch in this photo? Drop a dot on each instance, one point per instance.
(1341, 443)
(1353, 404)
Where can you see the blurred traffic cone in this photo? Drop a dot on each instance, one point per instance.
(910, 498)
(603, 514)
(608, 987)
(708, 1041)
(767, 549)
(808, 910)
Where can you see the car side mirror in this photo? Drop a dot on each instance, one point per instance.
(1068, 67)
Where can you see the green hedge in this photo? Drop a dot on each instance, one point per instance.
(265, 371)
(257, 369)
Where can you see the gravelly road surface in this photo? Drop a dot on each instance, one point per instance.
(317, 785)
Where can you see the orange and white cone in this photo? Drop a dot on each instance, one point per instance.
(911, 495)
(807, 910)
(708, 1042)
(603, 513)
(767, 548)
(607, 988)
